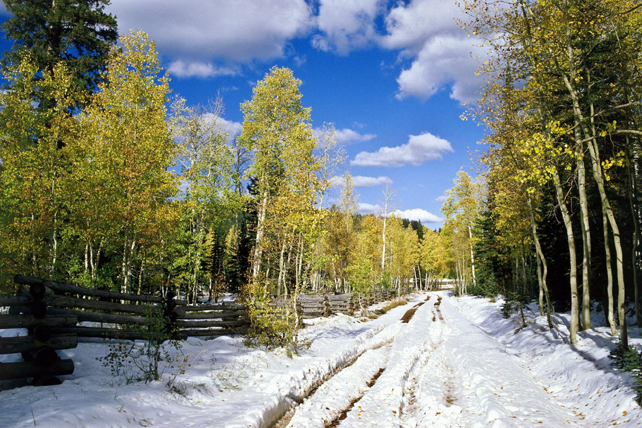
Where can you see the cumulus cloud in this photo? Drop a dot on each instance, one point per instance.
(419, 149)
(361, 181)
(343, 136)
(346, 25)
(441, 199)
(442, 54)
(424, 31)
(419, 215)
(182, 68)
(409, 26)
(347, 136)
(233, 129)
(444, 60)
(206, 38)
(224, 30)
(368, 208)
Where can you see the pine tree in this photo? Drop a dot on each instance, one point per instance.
(78, 33)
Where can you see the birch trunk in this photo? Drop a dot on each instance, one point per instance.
(586, 242)
(575, 318)
(541, 260)
(609, 276)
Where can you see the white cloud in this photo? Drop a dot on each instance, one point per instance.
(343, 136)
(181, 68)
(346, 25)
(443, 60)
(221, 30)
(409, 26)
(419, 215)
(419, 149)
(360, 181)
(441, 199)
(427, 31)
(346, 136)
(424, 31)
(205, 38)
(368, 208)
(233, 129)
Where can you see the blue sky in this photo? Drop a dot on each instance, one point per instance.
(390, 75)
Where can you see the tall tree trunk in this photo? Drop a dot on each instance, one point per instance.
(632, 173)
(619, 258)
(472, 256)
(609, 276)
(258, 246)
(598, 176)
(586, 241)
(575, 316)
(383, 237)
(541, 260)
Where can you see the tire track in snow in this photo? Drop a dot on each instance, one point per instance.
(383, 404)
(493, 389)
(431, 377)
(332, 400)
(289, 400)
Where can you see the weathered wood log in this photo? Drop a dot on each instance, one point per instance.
(347, 296)
(37, 291)
(315, 305)
(72, 302)
(10, 371)
(210, 323)
(16, 345)
(25, 321)
(45, 357)
(15, 300)
(38, 309)
(106, 333)
(74, 289)
(210, 315)
(215, 307)
(100, 317)
(217, 332)
(41, 332)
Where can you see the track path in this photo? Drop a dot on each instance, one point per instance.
(438, 369)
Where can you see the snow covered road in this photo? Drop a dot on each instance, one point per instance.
(443, 370)
(437, 361)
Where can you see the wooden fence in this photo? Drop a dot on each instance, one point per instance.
(56, 315)
(323, 305)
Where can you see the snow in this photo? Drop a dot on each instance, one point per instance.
(457, 363)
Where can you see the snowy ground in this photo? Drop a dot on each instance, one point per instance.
(456, 363)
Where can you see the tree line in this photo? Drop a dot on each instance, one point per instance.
(558, 216)
(108, 182)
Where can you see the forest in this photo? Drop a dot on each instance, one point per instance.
(109, 181)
